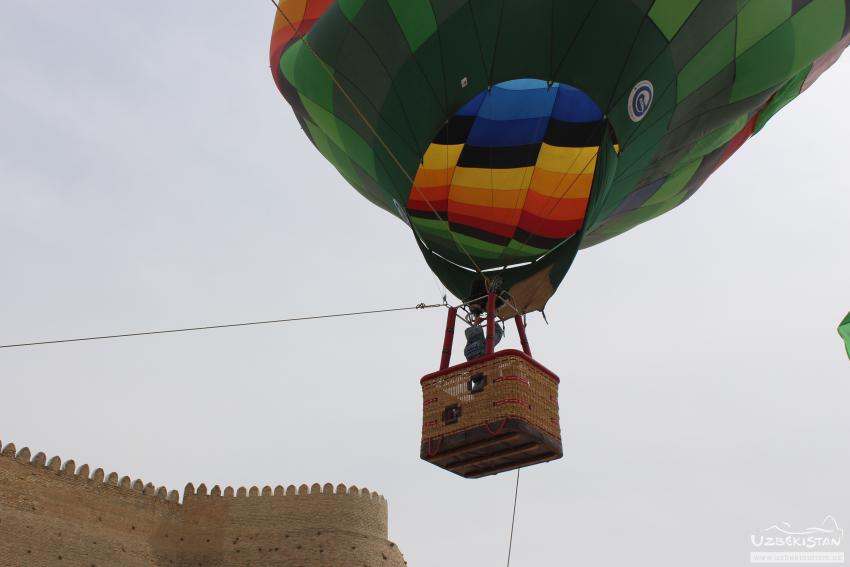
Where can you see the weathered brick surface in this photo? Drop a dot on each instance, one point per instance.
(54, 514)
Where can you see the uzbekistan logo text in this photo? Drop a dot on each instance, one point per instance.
(783, 544)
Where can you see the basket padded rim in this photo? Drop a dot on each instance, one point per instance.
(487, 358)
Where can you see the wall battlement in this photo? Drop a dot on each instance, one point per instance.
(53, 511)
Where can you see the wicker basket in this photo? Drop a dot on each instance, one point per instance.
(494, 414)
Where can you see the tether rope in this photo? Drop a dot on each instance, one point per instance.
(225, 326)
(513, 519)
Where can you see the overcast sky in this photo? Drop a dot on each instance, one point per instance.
(151, 176)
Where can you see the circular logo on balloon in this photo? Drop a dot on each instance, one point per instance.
(640, 100)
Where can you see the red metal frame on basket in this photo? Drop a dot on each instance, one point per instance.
(448, 340)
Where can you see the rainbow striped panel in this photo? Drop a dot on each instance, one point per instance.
(509, 175)
(293, 19)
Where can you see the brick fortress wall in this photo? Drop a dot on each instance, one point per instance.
(54, 514)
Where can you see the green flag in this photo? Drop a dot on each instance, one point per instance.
(844, 331)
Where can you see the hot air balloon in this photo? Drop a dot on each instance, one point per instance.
(509, 134)
(844, 332)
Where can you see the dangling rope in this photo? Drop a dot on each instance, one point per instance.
(513, 519)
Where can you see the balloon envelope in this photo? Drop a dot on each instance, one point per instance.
(508, 134)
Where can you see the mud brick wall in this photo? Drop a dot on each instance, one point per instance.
(60, 514)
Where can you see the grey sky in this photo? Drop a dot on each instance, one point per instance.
(151, 176)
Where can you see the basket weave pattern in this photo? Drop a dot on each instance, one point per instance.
(515, 388)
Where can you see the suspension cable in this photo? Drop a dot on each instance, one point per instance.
(224, 326)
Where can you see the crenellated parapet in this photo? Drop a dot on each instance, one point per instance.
(69, 470)
(56, 508)
(83, 473)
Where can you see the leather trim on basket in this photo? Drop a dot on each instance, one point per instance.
(488, 357)
(525, 381)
